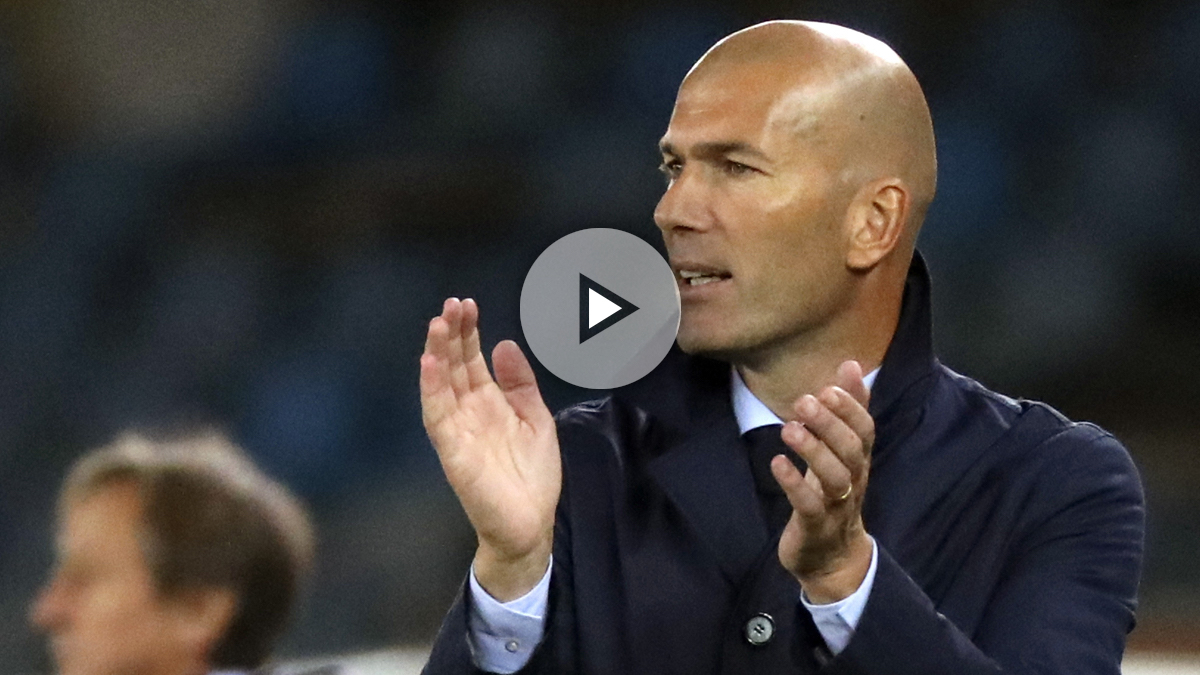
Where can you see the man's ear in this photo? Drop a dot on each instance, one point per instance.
(202, 615)
(876, 218)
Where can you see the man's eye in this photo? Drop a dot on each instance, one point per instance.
(670, 169)
(735, 168)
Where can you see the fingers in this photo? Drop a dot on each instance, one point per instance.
(452, 314)
(437, 395)
(819, 416)
(841, 422)
(851, 412)
(850, 379)
(452, 364)
(834, 433)
(476, 366)
(834, 476)
(516, 380)
(805, 499)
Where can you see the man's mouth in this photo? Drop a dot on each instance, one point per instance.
(699, 277)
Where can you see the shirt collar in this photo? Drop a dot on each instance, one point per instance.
(752, 413)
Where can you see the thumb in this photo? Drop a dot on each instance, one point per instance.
(850, 379)
(516, 380)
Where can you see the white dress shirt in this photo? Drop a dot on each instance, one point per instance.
(503, 635)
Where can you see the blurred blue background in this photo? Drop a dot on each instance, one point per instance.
(243, 212)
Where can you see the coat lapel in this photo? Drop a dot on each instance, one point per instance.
(701, 463)
(707, 477)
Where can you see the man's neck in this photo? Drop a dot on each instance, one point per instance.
(780, 387)
(781, 377)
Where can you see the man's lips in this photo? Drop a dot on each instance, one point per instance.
(692, 275)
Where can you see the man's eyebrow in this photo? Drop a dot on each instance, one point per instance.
(715, 149)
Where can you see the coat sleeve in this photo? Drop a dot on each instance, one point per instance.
(1065, 600)
(451, 654)
(555, 654)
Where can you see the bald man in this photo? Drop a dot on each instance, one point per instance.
(802, 487)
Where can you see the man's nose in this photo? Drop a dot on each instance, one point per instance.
(684, 205)
(48, 608)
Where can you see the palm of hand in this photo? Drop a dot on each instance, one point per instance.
(825, 544)
(505, 470)
(495, 438)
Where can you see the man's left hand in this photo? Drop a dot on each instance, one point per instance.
(824, 544)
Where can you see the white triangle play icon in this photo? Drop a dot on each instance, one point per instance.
(599, 308)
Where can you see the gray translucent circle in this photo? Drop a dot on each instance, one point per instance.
(622, 264)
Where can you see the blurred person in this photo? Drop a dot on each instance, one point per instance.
(173, 558)
(802, 487)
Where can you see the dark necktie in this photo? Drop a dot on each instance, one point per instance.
(763, 443)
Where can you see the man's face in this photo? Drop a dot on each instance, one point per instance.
(101, 609)
(754, 210)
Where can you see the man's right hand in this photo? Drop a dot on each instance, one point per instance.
(498, 445)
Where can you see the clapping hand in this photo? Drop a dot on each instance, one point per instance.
(498, 446)
(824, 544)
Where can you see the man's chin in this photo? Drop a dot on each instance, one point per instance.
(88, 664)
(66, 666)
(704, 345)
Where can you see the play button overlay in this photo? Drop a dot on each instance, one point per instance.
(600, 308)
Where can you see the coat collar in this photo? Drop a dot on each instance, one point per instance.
(909, 358)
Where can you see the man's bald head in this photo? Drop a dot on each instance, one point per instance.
(800, 163)
(844, 92)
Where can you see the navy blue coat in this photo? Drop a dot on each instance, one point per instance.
(1010, 537)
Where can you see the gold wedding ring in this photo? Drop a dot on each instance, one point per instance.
(845, 495)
